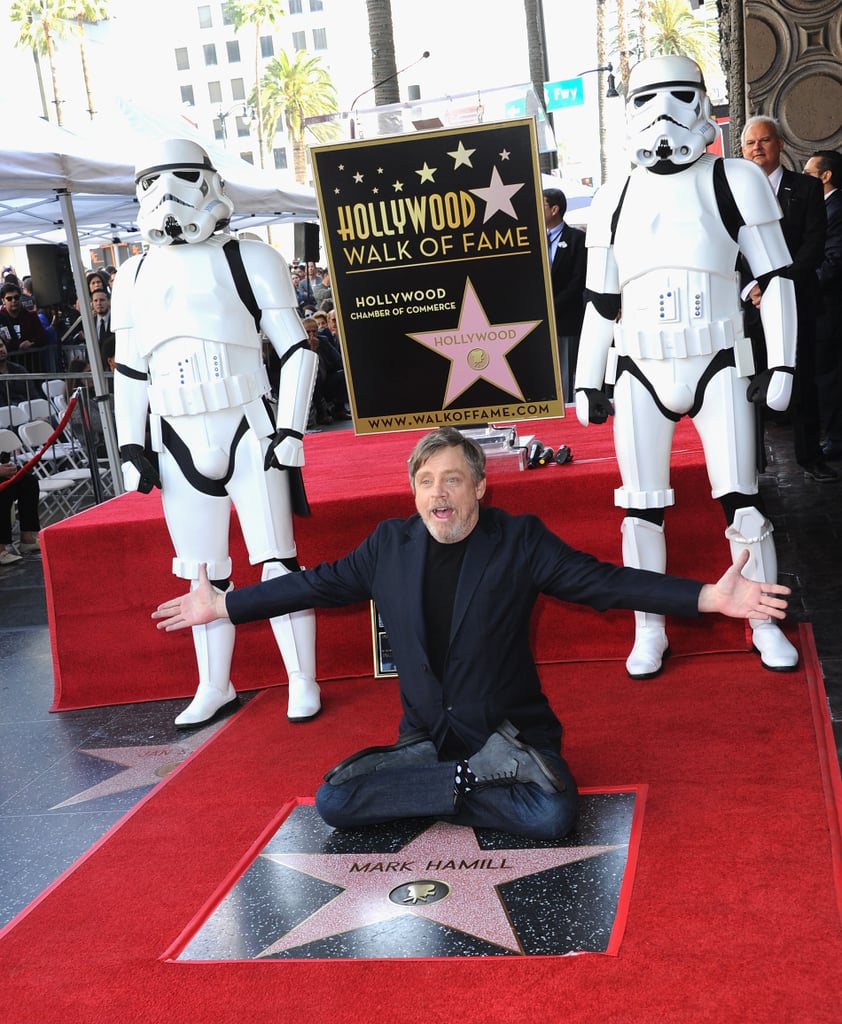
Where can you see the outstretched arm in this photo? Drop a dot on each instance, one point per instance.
(740, 598)
(199, 606)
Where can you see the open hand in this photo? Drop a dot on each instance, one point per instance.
(201, 605)
(738, 597)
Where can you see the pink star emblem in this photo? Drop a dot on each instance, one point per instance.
(476, 348)
(497, 196)
(143, 766)
(442, 875)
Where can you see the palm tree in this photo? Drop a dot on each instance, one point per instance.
(257, 13)
(622, 41)
(601, 59)
(86, 12)
(538, 67)
(670, 26)
(41, 24)
(674, 28)
(293, 90)
(382, 41)
(644, 16)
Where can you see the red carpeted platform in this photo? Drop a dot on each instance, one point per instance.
(108, 567)
(733, 918)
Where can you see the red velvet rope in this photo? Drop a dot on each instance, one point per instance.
(47, 444)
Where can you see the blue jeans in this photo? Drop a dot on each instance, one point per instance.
(427, 790)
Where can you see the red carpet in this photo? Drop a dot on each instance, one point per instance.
(734, 917)
(107, 568)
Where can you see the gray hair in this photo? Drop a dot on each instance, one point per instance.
(447, 437)
(761, 119)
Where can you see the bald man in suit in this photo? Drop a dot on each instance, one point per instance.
(804, 224)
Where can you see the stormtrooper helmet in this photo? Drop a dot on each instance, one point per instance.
(668, 116)
(180, 194)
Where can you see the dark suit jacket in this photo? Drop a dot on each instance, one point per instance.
(567, 275)
(804, 226)
(830, 271)
(489, 673)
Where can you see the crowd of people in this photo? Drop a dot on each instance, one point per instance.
(42, 337)
(316, 308)
(38, 339)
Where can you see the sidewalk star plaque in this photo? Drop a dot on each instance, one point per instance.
(437, 252)
(425, 889)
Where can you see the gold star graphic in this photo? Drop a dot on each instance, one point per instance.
(426, 173)
(461, 156)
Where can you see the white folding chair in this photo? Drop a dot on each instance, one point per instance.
(53, 493)
(9, 442)
(35, 409)
(11, 416)
(55, 391)
(56, 464)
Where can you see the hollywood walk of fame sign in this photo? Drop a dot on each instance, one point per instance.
(437, 251)
(427, 889)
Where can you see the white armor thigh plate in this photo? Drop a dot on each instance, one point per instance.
(263, 503)
(642, 441)
(643, 436)
(726, 425)
(197, 523)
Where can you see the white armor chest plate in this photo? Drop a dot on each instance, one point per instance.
(200, 341)
(187, 291)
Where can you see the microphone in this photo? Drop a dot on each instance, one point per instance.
(533, 453)
(377, 85)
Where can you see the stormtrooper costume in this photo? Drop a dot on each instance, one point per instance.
(664, 326)
(189, 361)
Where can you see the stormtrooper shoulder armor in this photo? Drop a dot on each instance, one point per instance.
(604, 205)
(122, 307)
(756, 200)
(268, 275)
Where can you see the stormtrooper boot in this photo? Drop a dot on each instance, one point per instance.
(644, 547)
(751, 529)
(214, 644)
(295, 635)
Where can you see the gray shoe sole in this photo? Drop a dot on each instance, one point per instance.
(352, 765)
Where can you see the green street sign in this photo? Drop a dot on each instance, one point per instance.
(566, 93)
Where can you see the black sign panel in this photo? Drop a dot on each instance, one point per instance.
(437, 251)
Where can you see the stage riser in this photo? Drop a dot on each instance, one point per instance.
(107, 568)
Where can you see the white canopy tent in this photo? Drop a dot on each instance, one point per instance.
(57, 186)
(98, 171)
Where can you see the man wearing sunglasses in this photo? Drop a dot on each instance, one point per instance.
(23, 327)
